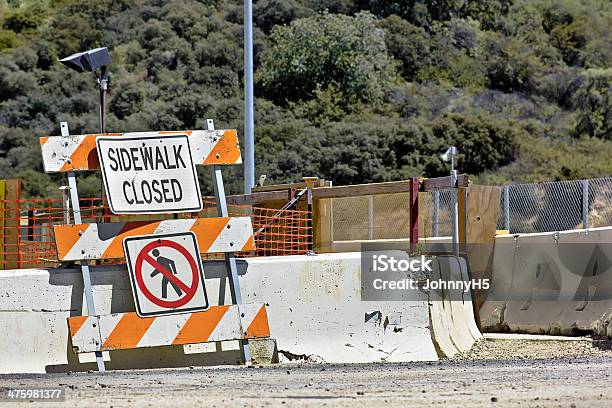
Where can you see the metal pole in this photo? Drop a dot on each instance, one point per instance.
(230, 259)
(436, 214)
(585, 204)
(76, 210)
(103, 82)
(249, 122)
(455, 205)
(103, 88)
(506, 200)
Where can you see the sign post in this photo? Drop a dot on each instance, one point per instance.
(76, 210)
(230, 259)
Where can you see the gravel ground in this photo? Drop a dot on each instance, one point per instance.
(511, 378)
(536, 349)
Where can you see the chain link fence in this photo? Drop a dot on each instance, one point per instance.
(435, 214)
(386, 216)
(556, 206)
(525, 208)
(371, 217)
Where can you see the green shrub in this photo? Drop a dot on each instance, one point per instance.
(317, 52)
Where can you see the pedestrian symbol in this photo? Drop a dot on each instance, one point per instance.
(168, 265)
(166, 274)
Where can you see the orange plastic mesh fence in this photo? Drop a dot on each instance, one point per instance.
(26, 233)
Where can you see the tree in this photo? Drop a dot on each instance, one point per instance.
(522, 87)
(269, 13)
(407, 43)
(317, 52)
(593, 99)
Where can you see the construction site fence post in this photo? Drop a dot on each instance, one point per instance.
(506, 204)
(414, 213)
(10, 214)
(585, 204)
(310, 184)
(436, 214)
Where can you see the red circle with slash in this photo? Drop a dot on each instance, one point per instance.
(189, 291)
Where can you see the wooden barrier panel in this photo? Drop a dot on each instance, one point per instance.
(322, 225)
(105, 240)
(78, 152)
(479, 208)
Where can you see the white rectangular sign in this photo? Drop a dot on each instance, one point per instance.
(166, 273)
(147, 175)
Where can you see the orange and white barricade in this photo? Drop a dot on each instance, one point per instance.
(98, 241)
(129, 331)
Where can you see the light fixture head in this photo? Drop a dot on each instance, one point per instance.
(89, 60)
(451, 151)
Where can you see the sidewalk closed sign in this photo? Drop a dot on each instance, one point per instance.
(147, 175)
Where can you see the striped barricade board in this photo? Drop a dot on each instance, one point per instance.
(79, 152)
(129, 331)
(105, 240)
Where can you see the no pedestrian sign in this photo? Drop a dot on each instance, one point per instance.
(166, 274)
(146, 175)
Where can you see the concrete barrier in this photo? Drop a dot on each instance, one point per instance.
(453, 326)
(314, 305)
(551, 283)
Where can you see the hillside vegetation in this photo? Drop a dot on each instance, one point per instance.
(354, 91)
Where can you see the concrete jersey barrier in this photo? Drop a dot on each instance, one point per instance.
(453, 325)
(314, 307)
(544, 285)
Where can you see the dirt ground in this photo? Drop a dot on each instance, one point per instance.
(493, 373)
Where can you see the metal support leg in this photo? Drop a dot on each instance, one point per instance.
(230, 259)
(76, 210)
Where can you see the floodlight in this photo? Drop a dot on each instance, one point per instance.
(449, 153)
(449, 156)
(89, 60)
